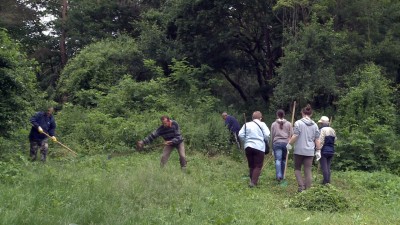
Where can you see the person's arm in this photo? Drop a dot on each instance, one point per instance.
(321, 138)
(266, 132)
(293, 139)
(52, 127)
(229, 123)
(272, 132)
(35, 120)
(151, 137)
(290, 131)
(242, 132)
(296, 133)
(178, 137)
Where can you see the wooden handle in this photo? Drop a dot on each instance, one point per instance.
(293, 111)
(60, 143)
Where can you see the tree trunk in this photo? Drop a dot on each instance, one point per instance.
(235, 85)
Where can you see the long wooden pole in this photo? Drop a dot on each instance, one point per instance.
(60, 144)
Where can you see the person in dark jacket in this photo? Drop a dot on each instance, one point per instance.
(233, 126)
(170, 132)
(327, 139)
(42, 122)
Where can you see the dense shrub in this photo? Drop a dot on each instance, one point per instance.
(18, 86)
(365, 118)
(321, 198)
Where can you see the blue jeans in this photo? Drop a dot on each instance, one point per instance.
(280, 152)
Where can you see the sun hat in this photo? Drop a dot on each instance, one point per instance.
(324, 119)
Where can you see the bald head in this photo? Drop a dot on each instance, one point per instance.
(257, 115)
(224, 115)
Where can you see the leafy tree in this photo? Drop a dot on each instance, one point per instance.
(365, 119)
(233, 38)
(18, 85)
(100, 66)
(22, 19)
(373, 28)
(309, 69)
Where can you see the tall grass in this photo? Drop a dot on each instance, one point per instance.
(135, 190)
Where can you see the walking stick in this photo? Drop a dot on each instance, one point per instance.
(61, 144)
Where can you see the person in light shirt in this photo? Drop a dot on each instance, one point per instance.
(254, 134)
(307, 144)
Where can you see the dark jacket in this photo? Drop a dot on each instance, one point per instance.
(328, 138)
(172, 133)
(47, 123)
(232, 124)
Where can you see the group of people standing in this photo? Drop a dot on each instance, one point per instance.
(308, 139)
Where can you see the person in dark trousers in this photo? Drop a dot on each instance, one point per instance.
(281, 132)
(233, 126)
(41, 122)
(253, 134)
(327, 139)
(170, 132)
(306, 137)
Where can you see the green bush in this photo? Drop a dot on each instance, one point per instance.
(365, 119)
(321, 198)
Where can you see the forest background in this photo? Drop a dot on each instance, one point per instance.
(112, 68)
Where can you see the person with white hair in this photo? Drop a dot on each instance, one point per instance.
(327, 139)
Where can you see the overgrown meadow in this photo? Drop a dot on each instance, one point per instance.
(133, 189)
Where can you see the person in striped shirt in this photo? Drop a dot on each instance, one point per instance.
(170, 132)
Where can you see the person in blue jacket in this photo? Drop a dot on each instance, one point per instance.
(42, 123)
(233, 126)
(327, 139)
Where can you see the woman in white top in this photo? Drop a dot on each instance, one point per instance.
(253, 135)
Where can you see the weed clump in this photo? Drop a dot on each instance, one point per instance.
(321, 198)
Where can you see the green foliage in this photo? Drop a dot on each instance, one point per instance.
(100, 66)
(130, 96)
(308, 71)
(365, 120)
(321, 198)
(18, 85)
(90, 21)
(134, 190)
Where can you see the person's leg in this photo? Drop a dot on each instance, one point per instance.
(329, 162)
(182, 156)
(307, 162)
(44, 147)
(258, 164)
(250, 163)
(33, 149)
(278, 161)
(283, 164)
(166, 153)
(324, 167)
(298, 161)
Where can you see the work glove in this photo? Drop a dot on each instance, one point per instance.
(289, 147)
(318, 155)
(53, 138)
(139, 145)
(40, 129)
